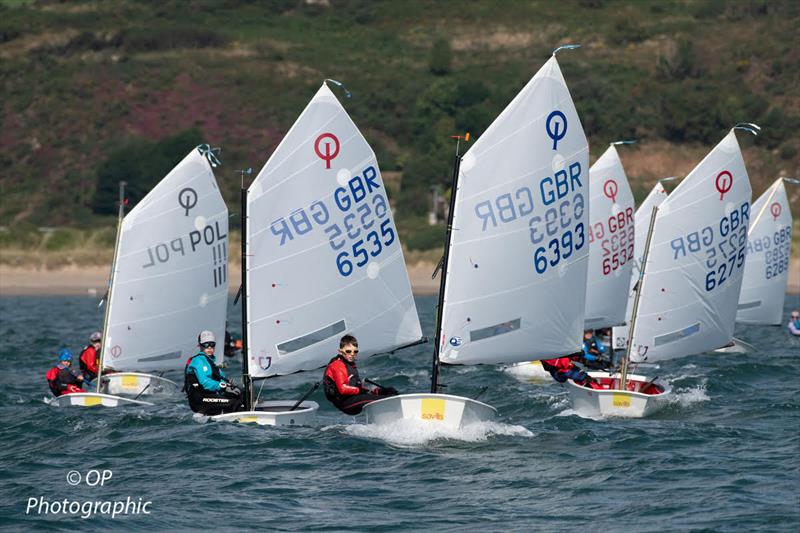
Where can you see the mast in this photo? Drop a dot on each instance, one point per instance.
(627, 358)
(120, 216)
(444, 263)
(247, 383)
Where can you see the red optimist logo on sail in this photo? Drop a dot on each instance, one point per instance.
(327, 153)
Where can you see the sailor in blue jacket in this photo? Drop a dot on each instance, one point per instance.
(208, 390)
(593, 351)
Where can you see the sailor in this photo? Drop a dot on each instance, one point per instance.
(343, 386)
(794, 323)
(232, 346)
(564, 368)
(593, 351)
(208, 390)
(90, 355)
(61, 378)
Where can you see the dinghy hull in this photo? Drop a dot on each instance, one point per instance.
(135, 383)
(444, 409)
(633, 403)
(736, 346)
(91, 399)
(274, 413)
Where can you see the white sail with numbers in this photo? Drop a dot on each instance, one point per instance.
(324, 258)
(171, 276)
(766, 268)
(611, 242)
(516, 273)
(694, 272)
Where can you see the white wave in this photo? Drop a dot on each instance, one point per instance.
(528, 371)
(690, 396)
(200, 418)
(412, 433)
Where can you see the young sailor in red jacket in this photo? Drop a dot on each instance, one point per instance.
(564, 368)
(343, 387)
(61, 378)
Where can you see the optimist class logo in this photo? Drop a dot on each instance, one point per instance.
(775, 209)
(724, 183)
(610, 189)
(328, 155)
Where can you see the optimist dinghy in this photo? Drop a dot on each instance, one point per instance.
(321, 258)
(513, 283)
(170, 278)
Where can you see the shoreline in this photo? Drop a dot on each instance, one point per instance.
(92, 281)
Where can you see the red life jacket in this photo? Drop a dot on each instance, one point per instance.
(341, 379)
(52, 380)
(88, 361)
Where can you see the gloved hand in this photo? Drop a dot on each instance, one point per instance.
(389, 391)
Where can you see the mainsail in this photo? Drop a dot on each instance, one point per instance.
(611, 242)
(516, 273)
(171, 275)
(641, 221)
(323, 252)
(697, 256)
(766, 268)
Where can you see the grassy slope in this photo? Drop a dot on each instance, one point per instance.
(81, 78)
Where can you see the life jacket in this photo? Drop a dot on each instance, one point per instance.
(190, 381)
(86, 354)
(337, 368)
(52, 381)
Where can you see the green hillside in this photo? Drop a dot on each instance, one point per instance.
(95, 92)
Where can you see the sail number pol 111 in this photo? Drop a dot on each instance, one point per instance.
(557, 230)
(724, 244)
(361, 230)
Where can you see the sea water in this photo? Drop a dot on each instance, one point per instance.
(723, 456)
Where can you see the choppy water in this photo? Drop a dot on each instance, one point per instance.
(724, 456)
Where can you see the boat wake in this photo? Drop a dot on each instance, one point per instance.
(529, 372)
(412, 433)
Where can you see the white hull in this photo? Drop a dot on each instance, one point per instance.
(736, 346)
(529, 371)
(449, 411)
(91, 399)
(274, 413)
(593, 403)
(135, 383)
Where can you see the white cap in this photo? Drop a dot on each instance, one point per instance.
(206, 336)
(96, 336)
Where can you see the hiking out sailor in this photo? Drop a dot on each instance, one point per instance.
(564, 368)
(593, 351)
(61, 378)
(90, 356)
(343, 386)
(208, 390)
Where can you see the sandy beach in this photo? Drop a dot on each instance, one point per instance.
(93, 280)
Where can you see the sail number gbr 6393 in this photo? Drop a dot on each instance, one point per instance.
(556, 230)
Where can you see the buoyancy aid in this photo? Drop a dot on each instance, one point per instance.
(88, 362)
(190, 381)
(341, 380)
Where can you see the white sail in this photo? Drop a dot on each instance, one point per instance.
(641, 221)
(171, 276)
(611, 242)
(324, 256)
(766, 269)
(516, 274)
(694, 273)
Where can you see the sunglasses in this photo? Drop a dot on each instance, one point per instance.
(350, 351)
(208, 345)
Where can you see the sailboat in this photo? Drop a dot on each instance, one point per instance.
(766, 268)
(321, 258)
(611, 241)
(622, 393)
(168, 280)
(692, 286)
(513, 282)
(641, 221)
